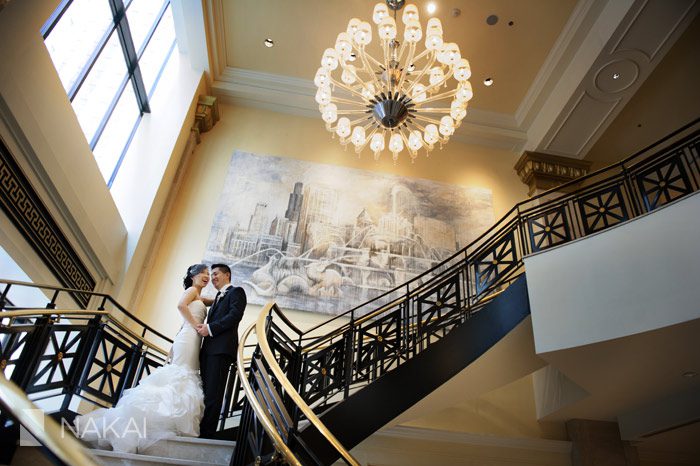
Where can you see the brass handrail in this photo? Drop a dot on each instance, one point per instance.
(261, 414)
(46, 430)
(289, 388)
(81, 312)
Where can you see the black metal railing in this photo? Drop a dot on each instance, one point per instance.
(63, 353)
(328, 362)
(59, 353)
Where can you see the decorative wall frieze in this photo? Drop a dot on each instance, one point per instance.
(31, 217)
(545, 171)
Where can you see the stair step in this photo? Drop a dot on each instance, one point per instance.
(115, 458)
(192, 450)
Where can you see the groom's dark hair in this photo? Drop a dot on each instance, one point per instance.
(222, 267)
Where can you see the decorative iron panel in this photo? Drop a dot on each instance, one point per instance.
(495, 262)
(109, 362)
(323, 372)
(56, 368)
(434, 307)
(549, 229)
(664, 182)
(378, 346)
(602, 209)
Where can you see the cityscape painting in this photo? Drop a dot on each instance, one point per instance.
(325, 238)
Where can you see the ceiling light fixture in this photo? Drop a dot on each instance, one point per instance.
(431, 7)
(385, 98)
(488, 82)
(269, 43)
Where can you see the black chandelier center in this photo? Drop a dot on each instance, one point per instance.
(391, 110)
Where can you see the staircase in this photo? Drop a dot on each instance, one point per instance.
(185, 451)
(312, 395)
(297, 395)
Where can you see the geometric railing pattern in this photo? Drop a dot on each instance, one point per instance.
(328, 362)
(72, 353)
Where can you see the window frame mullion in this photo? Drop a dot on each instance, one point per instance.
(132, 61)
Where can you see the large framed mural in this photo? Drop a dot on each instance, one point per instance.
(325, 238)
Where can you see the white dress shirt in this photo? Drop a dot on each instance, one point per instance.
(222, 291)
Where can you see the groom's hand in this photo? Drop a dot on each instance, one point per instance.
(202, 330)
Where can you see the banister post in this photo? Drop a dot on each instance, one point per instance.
(3, 297)
(349, 343)
(32, 351)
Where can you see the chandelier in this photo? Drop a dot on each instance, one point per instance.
(404, 98)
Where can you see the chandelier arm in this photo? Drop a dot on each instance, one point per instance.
(340, 100)
(386, 65)
(360, 81)
(421, 55)
(352, 112)
(404, 72)
(346, 87)
(444, 95)
(420, 76)
(432, 110)
(361, 51)
(365, 61)
(427, 120)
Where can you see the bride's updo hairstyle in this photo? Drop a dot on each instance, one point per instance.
(192, 271)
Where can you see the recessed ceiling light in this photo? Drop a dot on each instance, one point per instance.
(431, 7)
(488, 82)
(353, 57)
(491, 20)
(269, 43)
(411, 67)
(616, 76)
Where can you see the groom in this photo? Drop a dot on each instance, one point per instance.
(219, 344)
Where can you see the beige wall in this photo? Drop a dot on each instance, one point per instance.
(185, 236)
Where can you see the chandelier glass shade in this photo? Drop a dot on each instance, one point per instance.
(403, 99)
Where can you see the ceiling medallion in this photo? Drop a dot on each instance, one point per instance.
(406, 96)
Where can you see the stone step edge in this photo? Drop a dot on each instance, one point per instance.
(202, 441)
(155, 459)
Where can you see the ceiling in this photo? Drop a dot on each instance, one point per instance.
(553, 89)
(511, 55)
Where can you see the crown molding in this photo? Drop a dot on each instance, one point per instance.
(466, 438)
(562, 52)
(295, 96)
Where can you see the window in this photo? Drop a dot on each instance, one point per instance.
(109, 55)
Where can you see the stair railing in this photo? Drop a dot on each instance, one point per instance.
(329, 361)
(62, 354)
(266, 392)
(63, 449)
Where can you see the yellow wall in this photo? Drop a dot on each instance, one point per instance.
(186, 233)
(508, 411)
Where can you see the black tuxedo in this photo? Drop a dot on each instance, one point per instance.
(218, 353)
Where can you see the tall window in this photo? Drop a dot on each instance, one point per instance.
(109, 55)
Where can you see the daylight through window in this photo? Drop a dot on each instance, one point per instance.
(109, 55)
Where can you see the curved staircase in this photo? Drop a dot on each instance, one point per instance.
(313, 394)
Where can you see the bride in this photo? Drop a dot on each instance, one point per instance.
(169, 401)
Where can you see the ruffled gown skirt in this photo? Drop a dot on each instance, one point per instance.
(169, 402)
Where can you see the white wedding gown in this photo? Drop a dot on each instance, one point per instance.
(166, 403)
